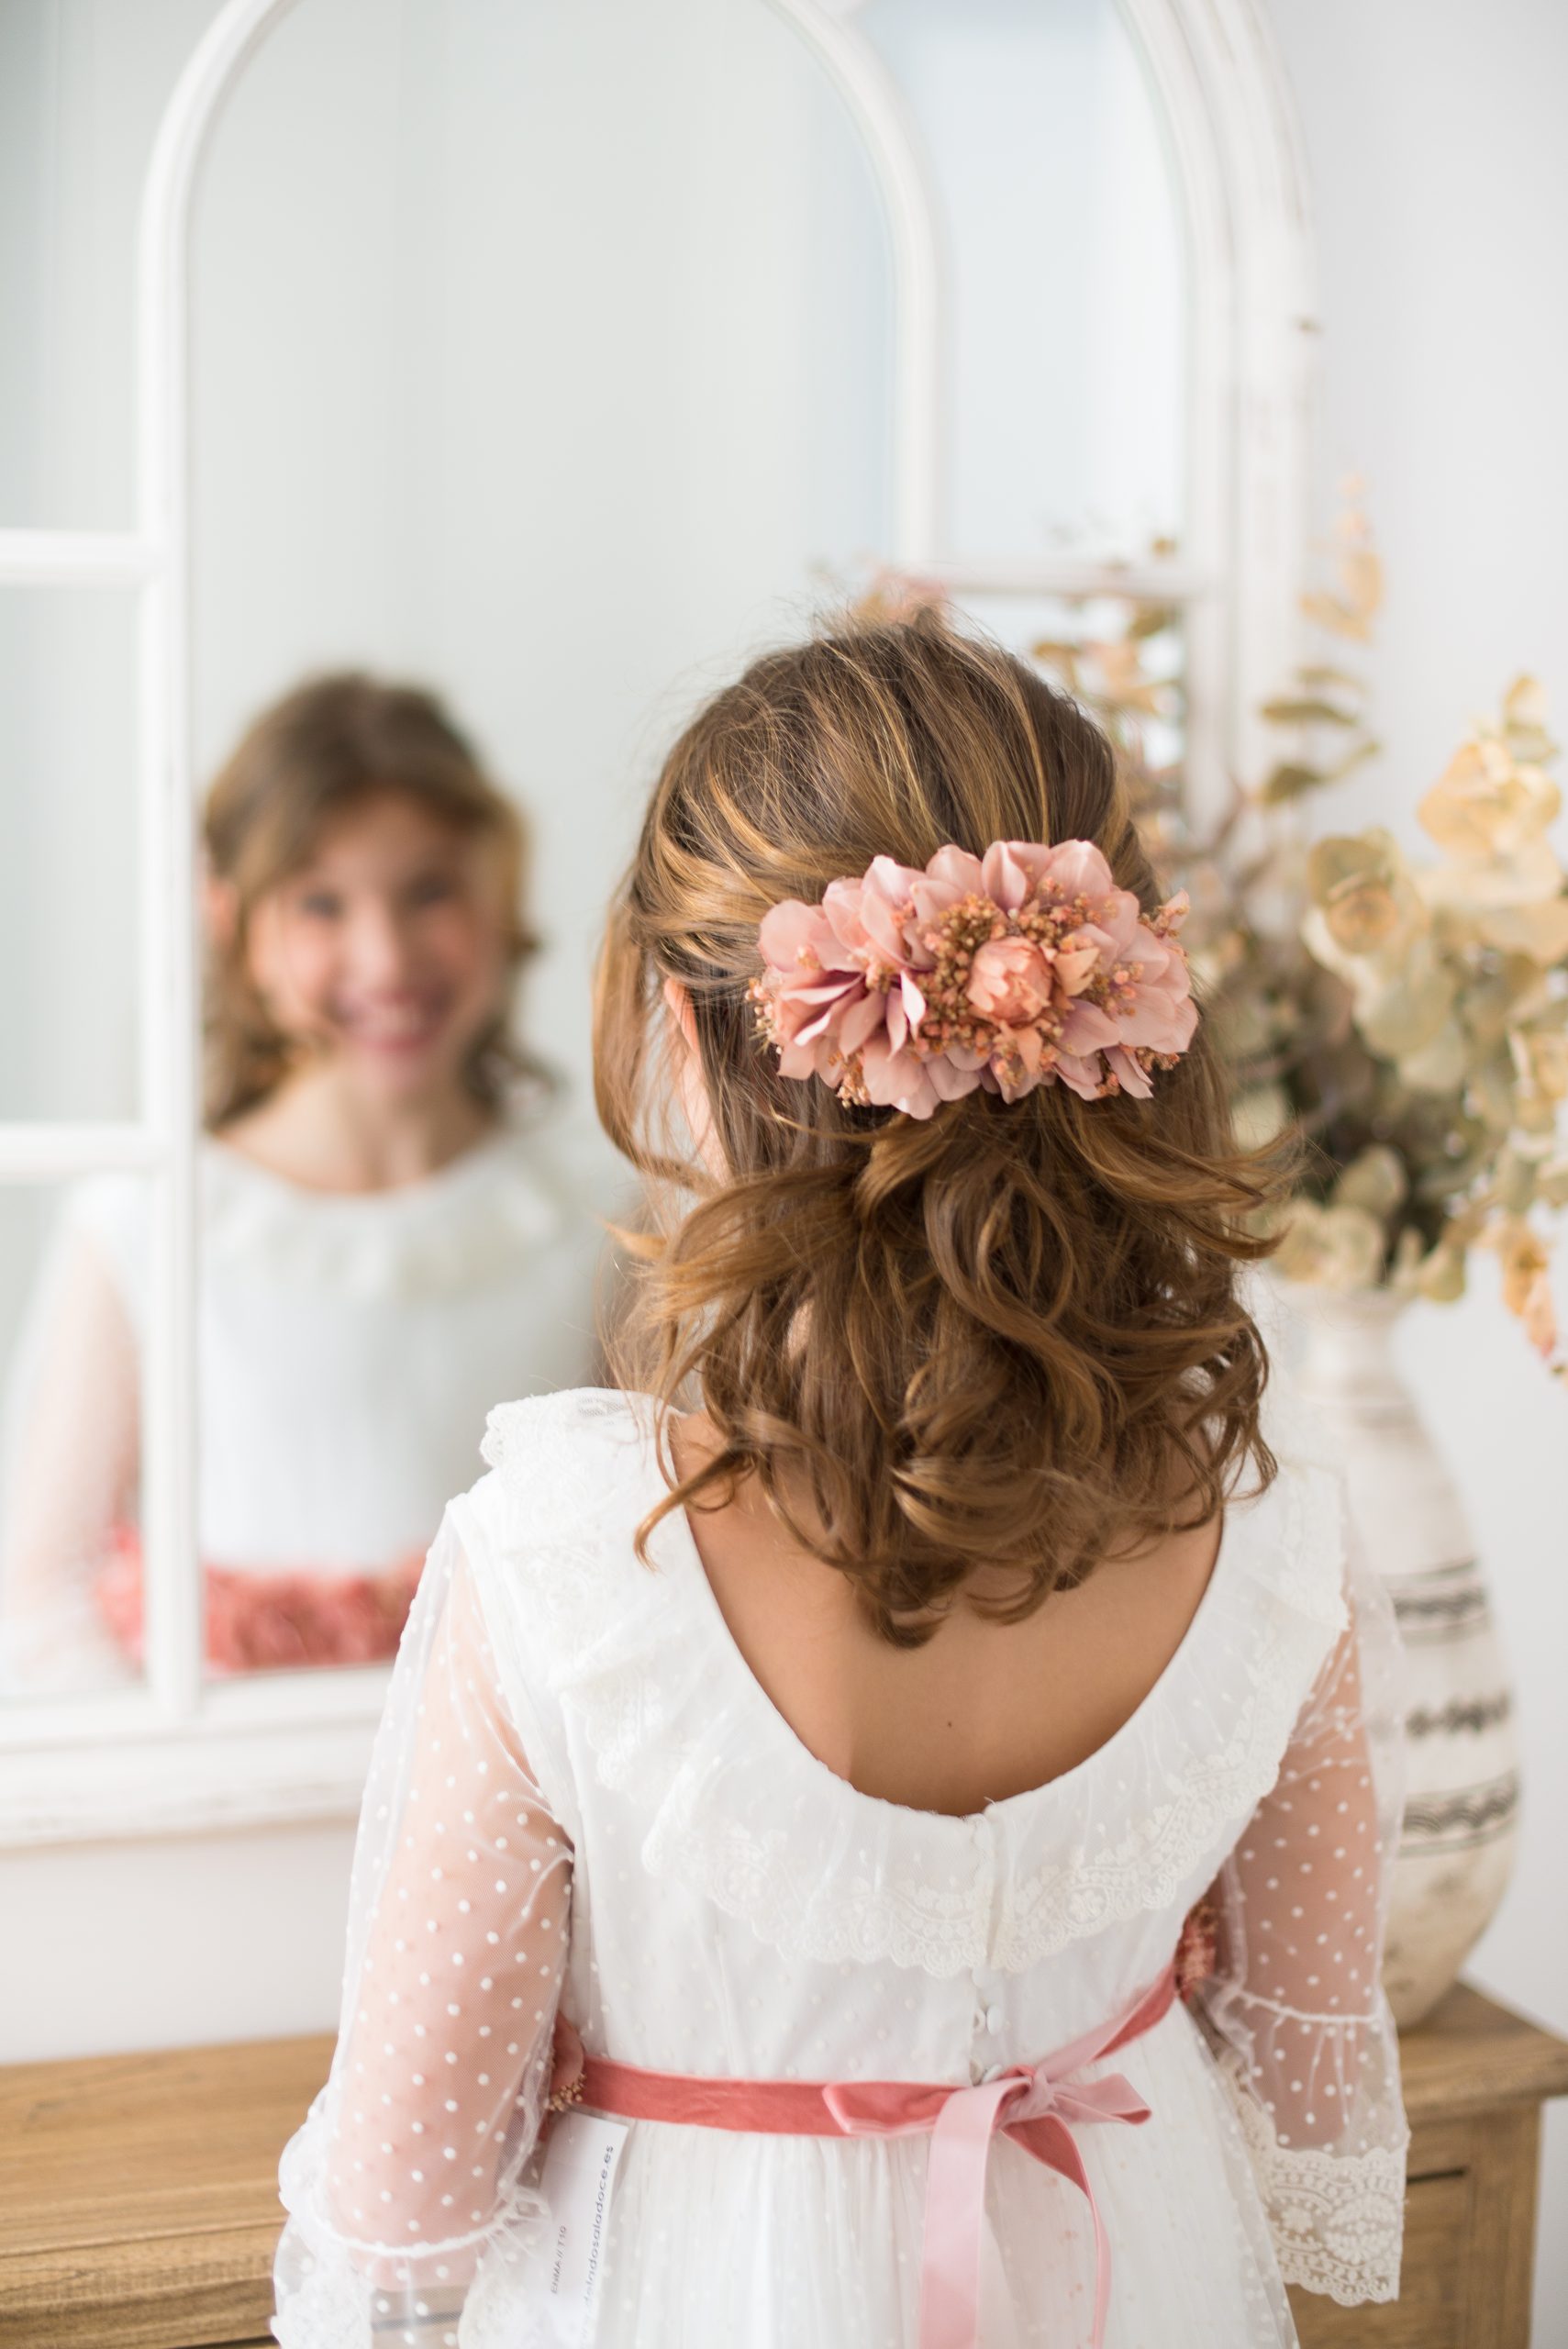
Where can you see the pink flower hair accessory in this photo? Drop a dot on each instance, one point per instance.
(1027, 966)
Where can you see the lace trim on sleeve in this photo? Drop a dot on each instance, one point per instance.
(1337, 2220)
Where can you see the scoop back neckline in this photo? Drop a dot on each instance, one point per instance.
(788, 1738)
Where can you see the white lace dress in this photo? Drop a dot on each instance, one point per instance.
(581, 1793)
(349, 1347)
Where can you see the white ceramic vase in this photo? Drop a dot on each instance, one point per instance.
(1462, 1792)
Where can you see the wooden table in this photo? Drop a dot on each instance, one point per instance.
(138, 2193)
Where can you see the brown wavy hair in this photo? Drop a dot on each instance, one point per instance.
(327, 747)
(1007, 1337)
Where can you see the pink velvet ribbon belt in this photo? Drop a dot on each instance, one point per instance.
(1039, 2106)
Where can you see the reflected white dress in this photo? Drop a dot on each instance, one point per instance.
(349, 1347)
(580, 1793)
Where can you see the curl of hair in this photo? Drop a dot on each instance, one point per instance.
(329, 746)
(1007, 1338)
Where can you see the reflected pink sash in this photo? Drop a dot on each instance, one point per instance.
(1039, 2106)
(274, 1620)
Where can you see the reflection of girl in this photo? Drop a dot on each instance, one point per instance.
(384, 1242)
(996, 1615)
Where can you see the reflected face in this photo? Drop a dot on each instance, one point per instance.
(388, 949)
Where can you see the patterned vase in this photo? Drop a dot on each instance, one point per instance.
(1461, 1794)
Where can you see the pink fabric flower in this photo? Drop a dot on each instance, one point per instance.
(1027, 966)
(1010, 981)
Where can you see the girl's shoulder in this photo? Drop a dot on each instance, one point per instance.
(1300, 1539)
(569, 1465)
(112, 1215)
(551, 1529)
(549, 1534)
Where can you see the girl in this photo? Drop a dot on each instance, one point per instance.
(383, 1237)
(799, 1793)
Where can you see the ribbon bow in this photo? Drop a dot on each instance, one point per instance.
(1037, 2106)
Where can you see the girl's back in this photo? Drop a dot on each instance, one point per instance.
(983, 1709)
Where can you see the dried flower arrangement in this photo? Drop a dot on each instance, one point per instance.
(1411, 1020)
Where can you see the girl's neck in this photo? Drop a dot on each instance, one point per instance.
(324, 1134)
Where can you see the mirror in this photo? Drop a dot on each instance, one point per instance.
(1066, 277)
(542, 367)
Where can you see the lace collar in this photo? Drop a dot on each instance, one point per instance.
(492, 1209)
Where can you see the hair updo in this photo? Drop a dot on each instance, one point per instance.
(1005, 1337)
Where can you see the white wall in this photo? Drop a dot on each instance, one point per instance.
(1440, 179)
(173, 1943)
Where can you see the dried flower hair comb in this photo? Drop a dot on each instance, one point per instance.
(1028, 966)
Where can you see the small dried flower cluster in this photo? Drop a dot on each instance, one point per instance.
(1028, 966)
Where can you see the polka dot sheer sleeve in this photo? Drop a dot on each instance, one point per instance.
(1295, 2010)
(405, 2188)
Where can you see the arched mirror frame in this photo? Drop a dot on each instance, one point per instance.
(179, 1752)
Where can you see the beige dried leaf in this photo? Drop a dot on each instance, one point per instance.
(1306, 709)
(1525, 877)
(1373, 1180)
(1523, 1254)
(1340, 619)
(1358, 752)
(1440, 1066)
(1334, 1247)
(1540, 1056)
(1361, 578)
(1489, 1093)
(1288, 781)
(1402, 1016)
(1358, 884)
(1406, 1264)
(1501, 997)
(1442, 1276)
(1485, 805)
(1260, 1115)
(1514, 1184)
(1524, 703)
(1535, 1119)
(1524, 722)
(1122, 678)
(1055, 652)
(1540, 930)
(1539, 1314)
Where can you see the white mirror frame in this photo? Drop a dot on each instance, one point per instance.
(179, 1752)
